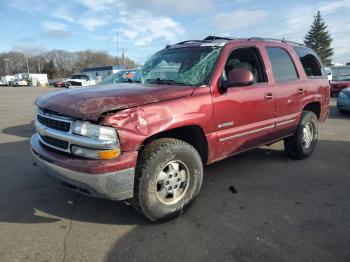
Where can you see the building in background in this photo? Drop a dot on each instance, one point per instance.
(99, 73)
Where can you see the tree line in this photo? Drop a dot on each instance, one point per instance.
(59, 63)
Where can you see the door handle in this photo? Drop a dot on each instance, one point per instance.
(268, 96)
(300, 91)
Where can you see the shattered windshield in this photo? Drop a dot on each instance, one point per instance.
(181, 66)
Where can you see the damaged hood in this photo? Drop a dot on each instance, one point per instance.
(90, 102)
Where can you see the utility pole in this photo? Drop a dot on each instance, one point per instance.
(39, 67)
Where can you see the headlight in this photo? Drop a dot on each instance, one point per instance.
(102, 133)
(94, 131)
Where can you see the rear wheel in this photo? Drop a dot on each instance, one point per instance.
(168, 178)
(303, 142)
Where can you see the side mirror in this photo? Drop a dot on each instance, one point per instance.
(238, 77)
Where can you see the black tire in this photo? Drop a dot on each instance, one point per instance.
(154, 158)
(295, 146)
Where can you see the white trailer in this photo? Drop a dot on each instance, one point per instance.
(39, 78)
(6, 79)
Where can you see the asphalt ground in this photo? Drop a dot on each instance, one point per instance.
(257, 206)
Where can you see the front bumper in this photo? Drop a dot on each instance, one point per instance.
(115, 185)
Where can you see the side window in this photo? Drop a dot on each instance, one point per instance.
(246, 58)
(282, 65)
(311, 64)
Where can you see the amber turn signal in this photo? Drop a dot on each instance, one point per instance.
(109, 154)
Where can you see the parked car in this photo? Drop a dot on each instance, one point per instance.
(123, 76)
(147, 143)
(339, 83)
(343, 101)
(3, 83)
(19, 82)
(59, 83)
(329, 73)
(79, 80)
(10, 82)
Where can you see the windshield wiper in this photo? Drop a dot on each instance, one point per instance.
(163, 81)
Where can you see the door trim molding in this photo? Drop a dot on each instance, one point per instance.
(285, 122)
(246, 133)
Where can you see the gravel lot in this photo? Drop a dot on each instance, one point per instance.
(283, 210)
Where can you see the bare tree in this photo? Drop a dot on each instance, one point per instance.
(58, 63)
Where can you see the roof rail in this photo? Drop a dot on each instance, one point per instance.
(213, 38)
(185, 42)
(273, 39)
(189, 41)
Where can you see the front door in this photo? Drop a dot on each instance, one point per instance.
(244, 116)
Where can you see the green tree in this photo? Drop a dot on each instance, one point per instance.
(319, 39)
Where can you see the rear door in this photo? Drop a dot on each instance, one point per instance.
(244, 115)
(287, 88)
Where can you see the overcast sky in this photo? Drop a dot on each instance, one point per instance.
(147, 26)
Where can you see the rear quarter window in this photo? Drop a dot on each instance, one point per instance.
(282, 64)
(311, 63)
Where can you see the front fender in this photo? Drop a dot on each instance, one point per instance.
(135, 125)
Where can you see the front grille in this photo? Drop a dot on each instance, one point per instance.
(54, 124)
(55, 142)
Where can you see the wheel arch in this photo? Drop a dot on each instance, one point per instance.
(315, 107)
(192, 134)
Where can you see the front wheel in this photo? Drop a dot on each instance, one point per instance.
(168, 178)
(303, 142)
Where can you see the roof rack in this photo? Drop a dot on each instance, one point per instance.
(213, 38)
(273, 39)
(189, 41)
(205, 40)
(185, 42)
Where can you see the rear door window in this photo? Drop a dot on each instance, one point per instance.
(310, 62)
(282, 65)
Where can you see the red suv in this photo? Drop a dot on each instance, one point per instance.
(195, 103)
